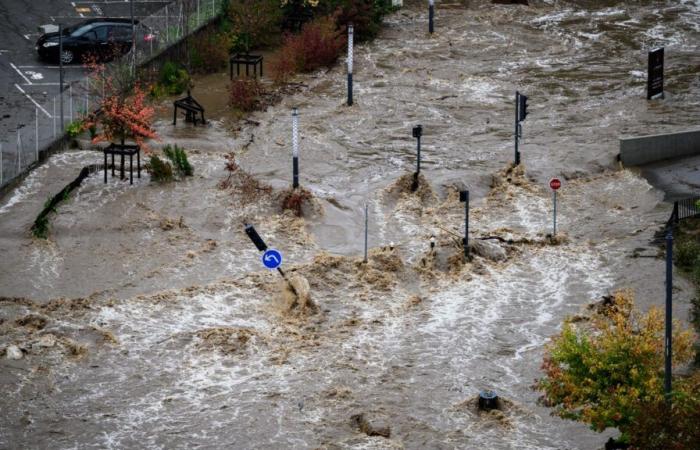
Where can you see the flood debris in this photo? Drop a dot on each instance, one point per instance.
(489, 250)
(402, 188)
(300, 201)
(226, 340)
(296, 295)
(371, 426)
(13, 352)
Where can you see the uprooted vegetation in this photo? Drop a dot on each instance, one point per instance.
(248, 188)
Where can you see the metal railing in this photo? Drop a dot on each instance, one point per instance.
(43, 125)
(683, 209)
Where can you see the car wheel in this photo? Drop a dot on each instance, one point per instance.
(67, 56)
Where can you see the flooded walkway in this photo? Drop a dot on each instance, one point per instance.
(147, 320)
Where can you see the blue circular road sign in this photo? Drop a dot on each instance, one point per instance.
(272, 259)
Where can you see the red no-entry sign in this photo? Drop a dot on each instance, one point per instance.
(555, 183)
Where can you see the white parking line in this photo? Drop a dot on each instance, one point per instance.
(33, 101)
(49, 67)
(20, 73)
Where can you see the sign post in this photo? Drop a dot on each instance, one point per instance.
(464, 197)
(555, 184)
(431, 16)
(520, 114)
(271, 258)
(655, 74)
(417, 133)
(350, 57)
(295, 148)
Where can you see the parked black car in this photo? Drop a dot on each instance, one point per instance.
(102, 38)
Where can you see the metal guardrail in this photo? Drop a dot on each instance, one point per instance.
(43, 129)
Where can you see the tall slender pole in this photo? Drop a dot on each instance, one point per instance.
(36, 133)
(70, 101)
(295, 148)
(351, 34)
(418, 156)
(199, 17)
(133, 38)
(60, 72)
(431, 16)
(554, 231)
(167, 28)
(466, 225)
(54, 117)
(19, 151)
(1, 168)
(669, 298)
(517, 131)
(366, 229)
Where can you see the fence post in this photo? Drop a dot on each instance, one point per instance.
(199, 17)
(167, 28)
(19, 151)
(36, 133)
(70, 101)
(1, 168)
(87, 96)
(669, 294)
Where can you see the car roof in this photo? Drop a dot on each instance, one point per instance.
(105, 20)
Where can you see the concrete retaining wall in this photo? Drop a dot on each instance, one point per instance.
(636, 151)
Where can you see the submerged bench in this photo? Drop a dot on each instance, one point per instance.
(247, 60)
(191, 107)
(124, 150)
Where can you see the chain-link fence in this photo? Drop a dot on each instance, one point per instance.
(46, 124)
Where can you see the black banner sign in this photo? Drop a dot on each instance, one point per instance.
(655, 77)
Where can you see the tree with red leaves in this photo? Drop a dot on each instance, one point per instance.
(124, 113)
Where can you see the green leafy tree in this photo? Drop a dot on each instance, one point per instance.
(602, 372)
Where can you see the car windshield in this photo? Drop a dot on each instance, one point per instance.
(80, 31)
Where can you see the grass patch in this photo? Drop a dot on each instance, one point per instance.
(161, 171)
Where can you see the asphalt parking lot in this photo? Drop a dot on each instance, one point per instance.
(28, 84)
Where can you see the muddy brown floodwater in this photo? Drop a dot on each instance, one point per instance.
(147, 321)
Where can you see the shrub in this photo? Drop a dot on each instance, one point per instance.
(172, 80)
(687, 252)
(160, 170)
(365, 15)
(255, 22)
(74, 129)
(318, 45)
(599, 374)
(670, 426)
(245, 94)
(178, 158)
(209, 52)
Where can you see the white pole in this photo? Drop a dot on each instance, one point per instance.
(295, 148)
(36, 133)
